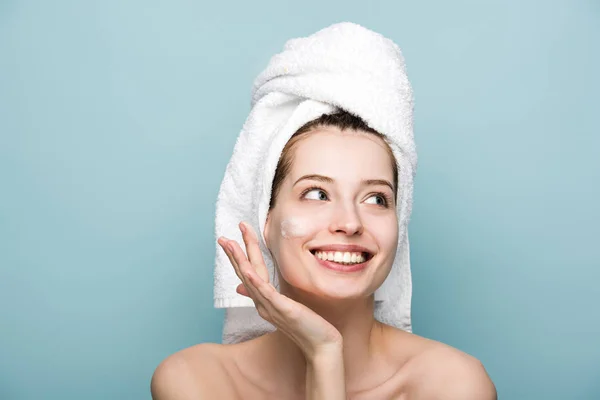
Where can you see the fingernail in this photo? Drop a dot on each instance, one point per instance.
(243, 227)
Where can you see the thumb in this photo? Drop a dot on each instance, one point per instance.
(241, 289)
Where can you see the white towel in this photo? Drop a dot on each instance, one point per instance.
(344, 66)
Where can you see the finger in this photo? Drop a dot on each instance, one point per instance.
(269, 296)
(224, 243)
(253, 250)
(263, 305)
(243, 287)
(238, 259)
(244, 267)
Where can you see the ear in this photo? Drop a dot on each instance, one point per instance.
(266, 230)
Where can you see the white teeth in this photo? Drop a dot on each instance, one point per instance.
(341, 257)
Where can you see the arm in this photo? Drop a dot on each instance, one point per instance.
(325, 376)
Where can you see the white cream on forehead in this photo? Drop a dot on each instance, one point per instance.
(294, 227)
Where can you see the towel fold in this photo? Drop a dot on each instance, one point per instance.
(344, 66)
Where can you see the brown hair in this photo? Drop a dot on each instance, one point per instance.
(342, 120)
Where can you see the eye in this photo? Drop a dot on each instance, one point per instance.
(320, 194)
(384, 199)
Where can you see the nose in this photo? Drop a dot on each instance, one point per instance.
(346, 220)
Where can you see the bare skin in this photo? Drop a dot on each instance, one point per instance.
(384, 376)
(411, 368)
(374, 360)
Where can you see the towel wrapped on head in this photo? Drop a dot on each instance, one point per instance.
(342, 67)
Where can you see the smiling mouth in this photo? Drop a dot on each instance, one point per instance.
(355, 265)
(365, 255)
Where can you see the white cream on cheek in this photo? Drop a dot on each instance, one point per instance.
(294, 227)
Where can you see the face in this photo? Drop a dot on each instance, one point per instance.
(340, 208)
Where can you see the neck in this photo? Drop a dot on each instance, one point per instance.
(363, 338)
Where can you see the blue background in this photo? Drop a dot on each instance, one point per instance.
(117, 119)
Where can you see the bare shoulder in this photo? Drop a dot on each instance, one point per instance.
(196, 373)
(440, 371)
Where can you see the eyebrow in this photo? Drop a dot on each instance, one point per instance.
(322, 178)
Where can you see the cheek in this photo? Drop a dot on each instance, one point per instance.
(391, 240)
(385, 231)
(293, 232)
(296, 227)
(391, 230)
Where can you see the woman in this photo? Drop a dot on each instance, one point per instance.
(334, 191)
(324, 169)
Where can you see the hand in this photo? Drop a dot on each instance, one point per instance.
(311, 332)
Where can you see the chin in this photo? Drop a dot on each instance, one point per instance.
(328, 290)
(342, 296)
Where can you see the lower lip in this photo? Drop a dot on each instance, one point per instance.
(340, 267)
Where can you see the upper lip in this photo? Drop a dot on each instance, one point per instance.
(342, 247)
